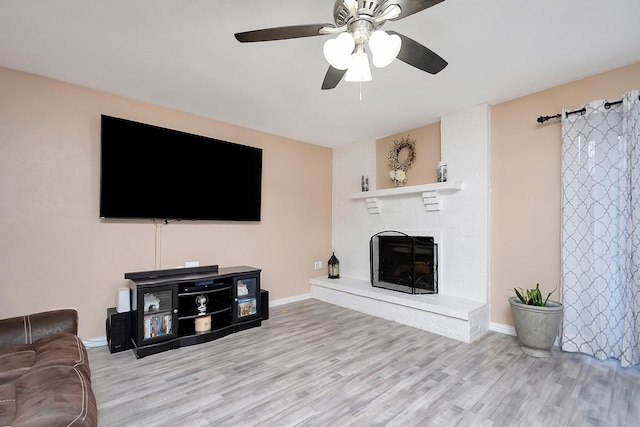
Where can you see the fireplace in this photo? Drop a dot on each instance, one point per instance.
(404, 263)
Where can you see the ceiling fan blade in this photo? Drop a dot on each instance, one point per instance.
(409, 7)
(332, 78)
(281, 33)
(416, 55)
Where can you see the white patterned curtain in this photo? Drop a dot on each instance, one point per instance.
(601, 230)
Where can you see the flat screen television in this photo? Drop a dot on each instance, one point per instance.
(156, 173)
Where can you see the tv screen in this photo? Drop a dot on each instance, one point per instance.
(152, 172)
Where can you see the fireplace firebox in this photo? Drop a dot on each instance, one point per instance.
(404, 263)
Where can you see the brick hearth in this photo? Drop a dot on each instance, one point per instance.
(453, 317)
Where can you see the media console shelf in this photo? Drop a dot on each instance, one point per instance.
(186, 306)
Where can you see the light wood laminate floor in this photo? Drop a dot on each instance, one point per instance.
(316, 364)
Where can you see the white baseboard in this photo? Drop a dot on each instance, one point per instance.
(502, 328)
(510, 330)
(289, 300)
(95, 342)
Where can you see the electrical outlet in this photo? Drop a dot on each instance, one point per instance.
(317, 265)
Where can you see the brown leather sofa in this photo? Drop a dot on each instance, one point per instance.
(45, 379)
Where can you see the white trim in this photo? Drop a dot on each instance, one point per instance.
(502, 328)
(95, 342)
(289, 300)
(430, 194)
(438, 187)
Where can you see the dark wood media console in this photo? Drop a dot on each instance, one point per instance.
(186, 306)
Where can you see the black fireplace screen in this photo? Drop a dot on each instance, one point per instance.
(404, 263)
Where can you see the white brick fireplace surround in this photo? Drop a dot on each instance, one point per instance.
(461, 228)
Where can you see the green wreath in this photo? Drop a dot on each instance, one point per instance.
(395, 150)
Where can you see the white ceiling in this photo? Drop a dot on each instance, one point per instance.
(182, 54)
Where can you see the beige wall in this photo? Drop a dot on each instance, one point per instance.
(424, 169)
(526, 183)
(54, 250)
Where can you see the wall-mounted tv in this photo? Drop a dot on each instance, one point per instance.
(152, 172)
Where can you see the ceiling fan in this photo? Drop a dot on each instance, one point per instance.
(357, 23)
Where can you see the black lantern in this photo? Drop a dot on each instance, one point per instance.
(334, 266)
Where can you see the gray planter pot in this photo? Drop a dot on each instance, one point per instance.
(536, 327)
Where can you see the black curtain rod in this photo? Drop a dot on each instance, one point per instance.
(583, 110)
(543, 119)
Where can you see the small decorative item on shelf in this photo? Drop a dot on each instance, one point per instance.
(334, 266)
(202, 301)
(401, 155)
(151, 303)
(398, 177)
(203, 323)
(364, 181)
(442, 171)
(242, 289)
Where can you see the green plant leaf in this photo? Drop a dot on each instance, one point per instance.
(533, 296)
(519, 295)
(545, 301)
(537, 296)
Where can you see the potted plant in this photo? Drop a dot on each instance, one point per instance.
(536, 320)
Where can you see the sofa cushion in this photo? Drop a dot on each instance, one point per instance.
(56, 349)
(7, 404)
(28, 329)
(15, 363)
(48, 396)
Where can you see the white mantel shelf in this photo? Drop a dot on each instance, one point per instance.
(430, 194)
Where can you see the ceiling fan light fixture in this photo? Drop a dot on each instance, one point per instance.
(338, 51)
(359, 20)
(384, 48)
(391, 12)
(352, 6)
(359, 70)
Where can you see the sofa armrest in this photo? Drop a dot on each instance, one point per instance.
(27, 329)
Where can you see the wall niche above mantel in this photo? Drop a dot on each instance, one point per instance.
(431, 195)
